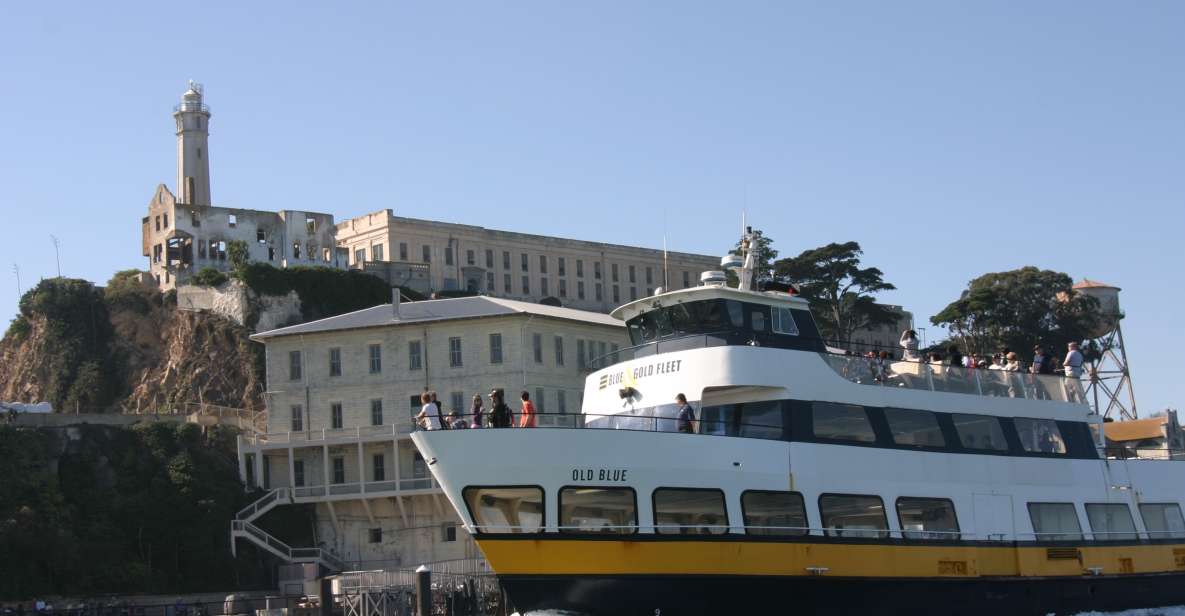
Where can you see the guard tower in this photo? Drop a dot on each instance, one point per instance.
(1110, 387)
(193, 152)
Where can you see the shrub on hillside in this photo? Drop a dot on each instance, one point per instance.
(208, 277)
(125, 290)
(323, 291)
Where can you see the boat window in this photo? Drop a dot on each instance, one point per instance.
(841, 422)
(1039, 435)
(773, 513)
(980, 432)
(1055, 521)
(689, 511)
(914, 428)
(718, 419)
(758, 318)
(1110, 521)
(736, 314)
(784, 322)
(762, 419)
(598, 510)
(1163, 520)
(505, 509)
(927, 518)
(848, 515)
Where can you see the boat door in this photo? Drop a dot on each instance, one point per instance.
(1116, 476)
(993, 517)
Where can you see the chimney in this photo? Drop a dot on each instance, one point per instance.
(395, 296)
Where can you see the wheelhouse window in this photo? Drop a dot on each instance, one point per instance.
(1163, 520)
(927, 518)
(1039, 435)
(1055, 521)
(598, 510)
(711, 316)
(841, 422)
(980, 432)
(509, 509)
(1110, 521)
(688, 511)
(914, 428)
(850, 515)
(784, 322)
(773, 513)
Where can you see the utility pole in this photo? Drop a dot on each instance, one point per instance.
(57, 257)
(17, 270)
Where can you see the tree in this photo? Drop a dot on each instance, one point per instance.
(1019, 310)
(839, 290)
(236, 253)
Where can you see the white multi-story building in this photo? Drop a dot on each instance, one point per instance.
(342, 392)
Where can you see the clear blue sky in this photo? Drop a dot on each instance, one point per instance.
(949, 138)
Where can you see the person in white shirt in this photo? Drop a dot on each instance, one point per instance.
(909, 342)
(1073, 361)
(429, 417)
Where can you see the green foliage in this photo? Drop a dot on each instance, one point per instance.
(145, 509)
(840, 292)
(323, 291)
(81, 371)
(1018, 310)
(18, 328)
(208, 277)
(236, 253)
(125, 290)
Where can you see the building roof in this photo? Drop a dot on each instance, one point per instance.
(1135, 429)
(433, 310)
(1087, 283)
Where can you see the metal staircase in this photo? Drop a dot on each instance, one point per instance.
(242, 527)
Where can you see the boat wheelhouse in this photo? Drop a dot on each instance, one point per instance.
(813, 480)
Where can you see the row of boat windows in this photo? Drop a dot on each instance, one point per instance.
(583, 509)
(712, 316)
(796, 420)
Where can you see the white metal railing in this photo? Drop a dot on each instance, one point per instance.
(264, 539)
(263, 504)
(330, 435)
(395, 578)
(359, 488)
(253, 422)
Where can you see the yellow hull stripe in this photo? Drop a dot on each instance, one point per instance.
(624, 557)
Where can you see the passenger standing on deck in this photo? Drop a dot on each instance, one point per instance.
(1073, 361)
(429, 417)
(686, 419)
(528, 412)
(479, 414)
(500, 416)
(909, 342)
(455, 421)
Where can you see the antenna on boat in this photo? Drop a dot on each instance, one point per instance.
(666, 283)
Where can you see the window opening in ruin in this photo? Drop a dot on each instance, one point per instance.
(271, 253)
(449, 532)
(232, 221)
(260, 237)
(201, 250)
(295, 250)
(222, 250)
(156, 220)
(194, 220)
(165, 220)
(310, 224)
(326, 255)
(376, 535)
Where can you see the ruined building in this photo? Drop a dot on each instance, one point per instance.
(184, 233)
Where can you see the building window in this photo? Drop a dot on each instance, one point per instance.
(448, 255)
(563, 287)
(335, 415)
(633, 274)
(525, 264)
(376, 252)
(506, 286)
(454, 352)
(597, 270)
(402, 251)
(232, 221)
(1111, 521)
(598, 510)
(376, 412)
(376, 535)
(294, 365)
(848, 515)
(506, 259)
(616, 294)
(537, 347)
(580, 360)
(298, 473)
(378, 467)
(579, 289)
(1055, 522)
(649, 291)
(470, 258)
(413, 355)
(633, 293)
(559, 350)
(539, 399)
(271, 253)
(297, 418)
(543, 265)
(376, 358)
(649, 275)
(457, 399)
(561, 401)
(448, 532)
(495, 348)
(579, 268)
(599, 293)
(928, 518)
(563, 266)
(335, 362)
(773, 513)
(296, 251)
(687, 511)
(686, 279)
(613, 271)
(543, 287)
(489, 259)
(841, 422)
(526, 285)
(490, 282)
(165, 219)
(339, 469)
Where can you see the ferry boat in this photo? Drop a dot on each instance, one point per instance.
(810, 481)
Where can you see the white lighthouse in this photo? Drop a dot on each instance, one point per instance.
(193, 152)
